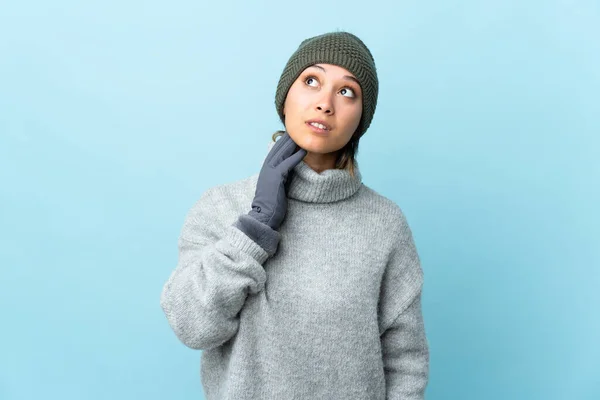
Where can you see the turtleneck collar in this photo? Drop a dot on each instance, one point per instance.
(306, 184)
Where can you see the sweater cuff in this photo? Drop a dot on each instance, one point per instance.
(262, 234)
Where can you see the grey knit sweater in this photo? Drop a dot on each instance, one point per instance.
(334, 313)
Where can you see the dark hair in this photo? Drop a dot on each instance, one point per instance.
(346, 158)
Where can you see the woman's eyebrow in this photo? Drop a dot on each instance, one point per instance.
(346, 77)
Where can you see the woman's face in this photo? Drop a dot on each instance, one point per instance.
(328, 93)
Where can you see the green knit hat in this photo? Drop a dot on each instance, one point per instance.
(338, 48)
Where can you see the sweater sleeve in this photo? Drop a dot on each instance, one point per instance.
(218, 267)
(405, 349)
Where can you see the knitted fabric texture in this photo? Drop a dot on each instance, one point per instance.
(335, 313)
(338, 48)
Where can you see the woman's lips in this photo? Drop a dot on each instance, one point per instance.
(319, 131)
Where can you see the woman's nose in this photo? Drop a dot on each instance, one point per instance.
(325, 102)
(325, 105)
(325, 108)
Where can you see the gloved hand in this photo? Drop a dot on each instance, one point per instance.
(270, 200)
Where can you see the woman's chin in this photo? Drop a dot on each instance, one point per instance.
(314, 150)
(313, 144)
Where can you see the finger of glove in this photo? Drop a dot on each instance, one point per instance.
(286, 150)
(293, 160)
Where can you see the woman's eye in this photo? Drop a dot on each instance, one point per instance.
(345, 90)
(309, 79)
(348, 89)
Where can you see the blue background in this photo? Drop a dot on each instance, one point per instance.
(115, 117)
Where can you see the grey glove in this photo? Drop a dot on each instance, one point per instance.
(270, 200)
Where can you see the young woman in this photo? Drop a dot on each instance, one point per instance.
(301, 282)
